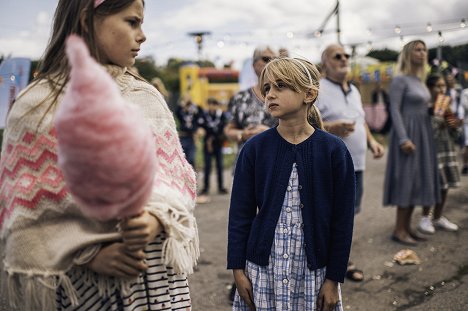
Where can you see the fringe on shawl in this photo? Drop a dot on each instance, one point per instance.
(181, 249)
(179, 255)
(32, 292)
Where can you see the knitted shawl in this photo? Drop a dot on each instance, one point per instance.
(43, 234)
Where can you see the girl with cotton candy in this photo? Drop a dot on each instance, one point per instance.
(96, 196)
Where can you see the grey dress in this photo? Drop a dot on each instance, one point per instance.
(411, 179)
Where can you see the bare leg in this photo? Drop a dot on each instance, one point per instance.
(465, 160)
(440, 206)
(402, 225)
(465, 156)
(426, 211)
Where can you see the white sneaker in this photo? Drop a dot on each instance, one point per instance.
(444, 223)
(426, 226)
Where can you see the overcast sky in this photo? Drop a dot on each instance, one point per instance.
(237, 26)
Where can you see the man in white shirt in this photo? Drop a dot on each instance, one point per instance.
(340, 104)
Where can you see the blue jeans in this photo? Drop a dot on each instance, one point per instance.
(359, 191)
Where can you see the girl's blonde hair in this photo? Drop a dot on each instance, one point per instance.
(299, 75)
(404, 64)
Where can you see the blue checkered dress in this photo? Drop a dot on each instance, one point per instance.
(286, 283)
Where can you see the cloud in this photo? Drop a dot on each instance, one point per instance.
(243, 24)
(28, 42)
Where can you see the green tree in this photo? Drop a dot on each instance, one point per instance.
(454, 55)
(385, 55)
(147, 68)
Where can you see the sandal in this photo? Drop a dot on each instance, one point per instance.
(354, 274)
(405, 241)
(417, 237)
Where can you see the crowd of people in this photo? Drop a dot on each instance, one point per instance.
(302, 140)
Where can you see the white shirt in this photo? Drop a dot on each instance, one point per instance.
(334, 104)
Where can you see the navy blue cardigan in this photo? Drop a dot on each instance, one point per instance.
(326, 176)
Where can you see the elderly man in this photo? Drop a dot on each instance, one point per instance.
(248, 116)
(340, 104)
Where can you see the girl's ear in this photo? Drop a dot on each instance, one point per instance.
(311, 96)
(83, 23)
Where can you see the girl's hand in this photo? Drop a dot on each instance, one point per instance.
(408, 147)
(452, 121)
(116, 261)
(140, 230)
(244, 287)
(328, 296)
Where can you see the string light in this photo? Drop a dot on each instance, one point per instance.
(220, 44)
(429, 27)
(318, 33)
(397, 29)
(290, 35)
(462, 23)
(441, 38)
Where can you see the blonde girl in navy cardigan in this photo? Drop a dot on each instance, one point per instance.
(292, 203)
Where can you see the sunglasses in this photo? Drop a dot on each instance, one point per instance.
(265, 59)
(339, 56)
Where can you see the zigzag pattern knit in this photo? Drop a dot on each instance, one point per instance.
(43, 233)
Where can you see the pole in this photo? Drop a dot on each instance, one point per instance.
(338, 29)
(439, 52)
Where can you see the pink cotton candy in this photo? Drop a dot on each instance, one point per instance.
(105, 147)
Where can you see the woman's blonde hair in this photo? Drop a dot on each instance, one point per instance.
(299, 75)
(404, 64)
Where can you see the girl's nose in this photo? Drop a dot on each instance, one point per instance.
(142, 37)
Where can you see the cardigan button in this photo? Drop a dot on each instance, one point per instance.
(301, 205)
(299, 187)
(289, 188)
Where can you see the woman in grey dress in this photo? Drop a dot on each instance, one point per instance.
(411, 177)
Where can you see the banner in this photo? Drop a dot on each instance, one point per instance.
(14, 76)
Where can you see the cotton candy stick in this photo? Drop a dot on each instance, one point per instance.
(106, 150)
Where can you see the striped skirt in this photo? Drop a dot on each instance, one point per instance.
(160, 288)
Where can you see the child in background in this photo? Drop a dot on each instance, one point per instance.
(292, 204)
(54, 257)
(446, 128)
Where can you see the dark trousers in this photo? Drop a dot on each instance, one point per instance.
(217, 153)
(188, 145)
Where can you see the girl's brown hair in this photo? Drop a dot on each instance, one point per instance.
(71, 17)
(299, 75)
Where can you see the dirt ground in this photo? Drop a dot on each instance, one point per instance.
(440, 282)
